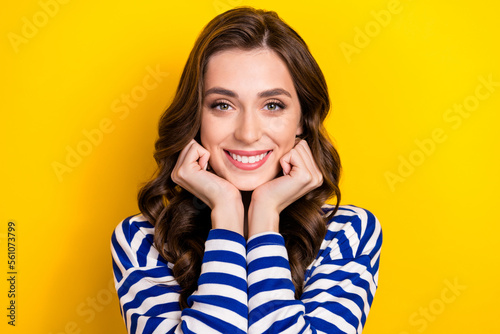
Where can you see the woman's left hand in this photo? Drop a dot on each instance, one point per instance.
(301, 175)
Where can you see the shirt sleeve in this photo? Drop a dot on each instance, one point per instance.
(149, 294)
(339, 285)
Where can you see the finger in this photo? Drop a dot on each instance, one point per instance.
(196, 155)
(306, 154)
(204, 156)
(310, 172)
(182, 155)
(285, 162)
(302, 149)
(188, 161)
(291, 161)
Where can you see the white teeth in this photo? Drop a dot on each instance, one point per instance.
(248, 159)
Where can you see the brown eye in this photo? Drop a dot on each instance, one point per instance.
(274, 106)
(221, 106)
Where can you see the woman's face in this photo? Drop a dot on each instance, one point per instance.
(250, 115)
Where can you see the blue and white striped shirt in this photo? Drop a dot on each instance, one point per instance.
(246, 286)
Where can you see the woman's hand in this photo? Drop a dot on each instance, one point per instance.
(190, 172)
(301, 175)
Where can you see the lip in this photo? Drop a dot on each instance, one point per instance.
(247, 166)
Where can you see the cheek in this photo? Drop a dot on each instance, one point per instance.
(285, 135)
(207, 133)
(214, 130)
(211, 137)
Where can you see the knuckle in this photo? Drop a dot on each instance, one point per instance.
(177, 175)
(174, 178)
(181, 174)
(318, 178)
(320, 181)
(307, 177)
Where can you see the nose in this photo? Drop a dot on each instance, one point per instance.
(249, 127)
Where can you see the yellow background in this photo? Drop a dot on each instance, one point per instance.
(391, 91)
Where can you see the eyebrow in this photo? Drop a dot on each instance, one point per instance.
(265, 93)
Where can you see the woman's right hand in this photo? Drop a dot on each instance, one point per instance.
(190, 172)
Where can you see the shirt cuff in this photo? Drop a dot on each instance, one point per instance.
(265, 239)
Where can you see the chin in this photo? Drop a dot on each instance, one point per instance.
(249, 183)
(246, 186)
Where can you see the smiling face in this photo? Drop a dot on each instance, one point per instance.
(250, 115)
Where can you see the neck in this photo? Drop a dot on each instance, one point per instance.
(246, 197)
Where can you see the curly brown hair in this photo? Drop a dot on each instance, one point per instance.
(182, 221)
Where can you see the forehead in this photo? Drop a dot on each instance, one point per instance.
(254, 70)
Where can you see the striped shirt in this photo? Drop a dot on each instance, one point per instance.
(246, 286)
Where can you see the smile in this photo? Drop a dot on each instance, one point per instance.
(247, 160)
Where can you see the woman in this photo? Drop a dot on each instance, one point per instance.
(234, 235)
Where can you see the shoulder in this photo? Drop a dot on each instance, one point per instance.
(133, 227)
(132, 243)
(352, 231)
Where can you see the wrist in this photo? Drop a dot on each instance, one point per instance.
(228, 216)
(262, 218)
